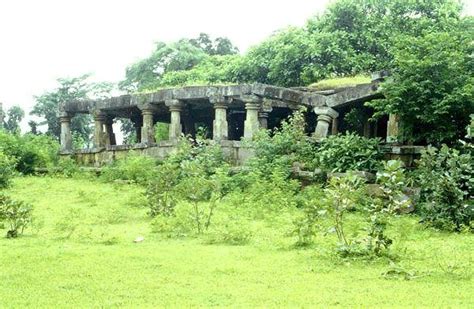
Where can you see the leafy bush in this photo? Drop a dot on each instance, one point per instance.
(135, 168)
(262, 196)
(30, 151)
(196, 175)
(392, 181)
(196, 188)
(7, 169)
(160, 192)
(67, 167)
(17, 214)
(446, 178)
(341, 153)
(178, 224)
(232, 231)
(342, 195)
(282, 147)
(310, 202)
(175, 175)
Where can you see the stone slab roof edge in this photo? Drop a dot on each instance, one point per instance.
(353, 94)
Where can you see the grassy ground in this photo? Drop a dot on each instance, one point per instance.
(80, 253)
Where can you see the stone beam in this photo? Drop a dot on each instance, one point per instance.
(359, 93)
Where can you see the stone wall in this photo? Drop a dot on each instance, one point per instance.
(233, 150)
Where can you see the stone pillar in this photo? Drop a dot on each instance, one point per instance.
(66, 136)
(367, 128)
(137, 124)
(335, 126)
(252, 107)
(220, 126)
(392, 128)
(267, 108)
(148, 132)
(325, 118)
(109, 131)
(175, 107)
(263, 120)
(99, 134)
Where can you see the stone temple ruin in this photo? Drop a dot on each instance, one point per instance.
(229, 112)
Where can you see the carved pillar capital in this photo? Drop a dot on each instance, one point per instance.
(64, 117)
(325, 119)
(174, 105)
(326, 111)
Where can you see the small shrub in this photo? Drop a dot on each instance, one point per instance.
(140, 169)
(67, 167)
(349, 152)
(188, 174)
(282, 146)
(446, 178)
(16, 214)
(196, 188)
(179, 224)
(160, 193)
(234, 231)
(392, 181)
(342, 195)
(7, 169)
(310, 202)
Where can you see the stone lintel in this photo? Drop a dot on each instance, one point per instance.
(267, 105)
(251, 99)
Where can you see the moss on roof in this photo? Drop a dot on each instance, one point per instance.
(340, 82)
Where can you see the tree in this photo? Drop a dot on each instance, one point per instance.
(220, 46)
(33, 127)
(350, 37)
(371, 27)
(178, 56)
(432, 87)
(15, 115)
(77, 88)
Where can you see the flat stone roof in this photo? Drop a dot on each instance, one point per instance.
(279, 96)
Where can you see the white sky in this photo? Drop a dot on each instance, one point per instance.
(43, 40)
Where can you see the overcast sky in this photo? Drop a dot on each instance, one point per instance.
(41, 41)
(44, 40)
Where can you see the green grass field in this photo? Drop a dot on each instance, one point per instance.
(80, 253)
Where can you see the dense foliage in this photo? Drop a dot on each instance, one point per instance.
(281, 147)
(432, 87)
(172, 59)
(446, 177)
(346, 152)
(7, 169)
(29, 151)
